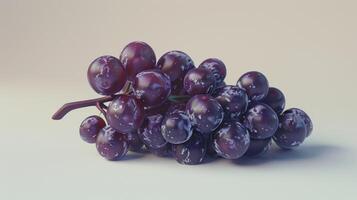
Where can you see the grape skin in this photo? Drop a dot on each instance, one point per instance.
(306, 118)
(217, 67)
(150, 132)
(199, 81)
(176, 127)
(255, 84)
(275, 99)
(111, 144)
(90, 128)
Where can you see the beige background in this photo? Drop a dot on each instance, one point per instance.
(307, 48)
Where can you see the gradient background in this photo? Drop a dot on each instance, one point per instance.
(307, 48)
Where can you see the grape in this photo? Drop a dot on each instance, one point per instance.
(106, 75)
(215, 66)
(205, 113)
(218, 88)
(165, 151)
(255, 84)
(176, 107)
(261, 121)
(125, 114)
(192, 151)
(199, 81)
(176, 127)
(135, 143)
(275, 99)
(305, 117)
(137, 57)
(234, 101)
(231, 140)
(175, 64)
(152, 87)
(150, 132)
(258, 147)
(90, 128)
(160, 109)
(292, 130)
(111, 144)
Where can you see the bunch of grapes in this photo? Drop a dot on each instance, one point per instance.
(172, 108)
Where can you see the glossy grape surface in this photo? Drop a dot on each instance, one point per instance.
(305, 117)
(111, 144)
(258, 147)
(233, 100)
(106, 75)
(261, 121)
(150, 132)
(175, 64)
(275, 99)
(125, 114)
(217, 67)
(90, 128)
(199, 81)
(205, 113)
(176, 127)
(255, 84)
(292, 130)
(231, 140)
(191, 152)
(152, 87)
(136, 57)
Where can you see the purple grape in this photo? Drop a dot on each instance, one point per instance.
(175, 64)
(192, 151)
(111, 144)
(292, 130)
(125, 114)
(261, 121)
(205, 113)
(216, 67)
(106, 75)
(231, 140)
(152, 87)
(176, 127)
(258, 147)
(160, 109)
(135, 143)
(90, 128)
(150, 132)
(218, 88)
(234, 101)
(165, 151)
(305, 117)
(255, 84)
(136, 57)
(199, 81)
(275, 99)
(176, 107)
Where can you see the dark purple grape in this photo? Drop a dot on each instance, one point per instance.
(199, 81)
(205, 113)
(234, 101)
(90, 128)
(305, 117)
(125, 114)
(218, 88)
(136, 57)
(176, 127)
(165, 151)
(275, 99)
(231, 140)
(192, 151)
(175, 64)
(111, 144)
(258, 147)
(256, 85)
(292, 130)
(135, 143)
(160, 109)
(150, 132)
(261, 121)
(152, 87)
(106, 75)
(216, 67)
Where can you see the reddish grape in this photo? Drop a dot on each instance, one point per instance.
(192, 151)
(111, 144)
(152, 87)
(106, 75)
(90, 128)
(231, 140)
(136, 57)
(176, 127)
(125, 114)
(256, 85)
(216, 67)
(199, 81)
(261, 121)
(275, 99)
